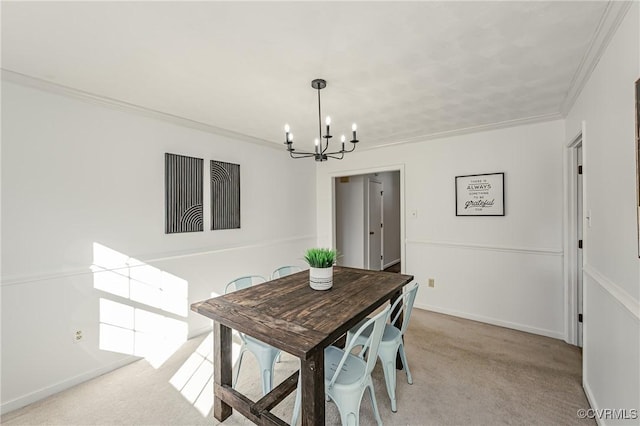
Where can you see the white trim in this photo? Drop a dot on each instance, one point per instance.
(473, 246)
(618, 293)
(467, 130)
(200, 331)
(42, 393)
(591, 398)
(37, 83)
(607, 27)
(570, 236)
(148, 259)
(390, 264)
(492, 321)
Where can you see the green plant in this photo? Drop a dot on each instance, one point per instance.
(320, 257)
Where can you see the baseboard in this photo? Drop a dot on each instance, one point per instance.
(493, 321)
(591, 399)
(32, 397)
(199, 331)
(388, 265)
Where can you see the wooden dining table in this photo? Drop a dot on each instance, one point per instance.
(287, 314)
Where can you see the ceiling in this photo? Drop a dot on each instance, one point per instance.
(403, 71)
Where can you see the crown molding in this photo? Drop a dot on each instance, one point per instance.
(607, 27)
(473, 129)
(48, 86)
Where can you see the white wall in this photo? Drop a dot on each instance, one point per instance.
(75, 173)
(350, 222)
(502, 270)
(612, 269)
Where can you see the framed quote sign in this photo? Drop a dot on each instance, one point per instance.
(480, 195)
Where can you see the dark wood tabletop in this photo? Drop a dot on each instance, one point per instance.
(289, 315)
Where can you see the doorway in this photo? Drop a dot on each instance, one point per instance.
(575, 237)
(368, 219)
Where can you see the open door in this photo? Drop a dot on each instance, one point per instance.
(375, 222)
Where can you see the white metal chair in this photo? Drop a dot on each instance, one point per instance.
(283, 271)
(266, 355)
(392, 342)
(347, 376)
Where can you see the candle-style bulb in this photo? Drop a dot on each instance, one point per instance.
(291, 137)
(286, 128)
(342, 139)
(328, 120)
(317, 142)
(354, 127)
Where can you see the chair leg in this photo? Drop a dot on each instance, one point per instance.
(267, 361)
(349, 410)
(266, 381)
(236, 368)
(296, 405)
(390, 379)
(374, 403)
(403, 357)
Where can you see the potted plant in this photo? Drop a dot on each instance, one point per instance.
(320, 262)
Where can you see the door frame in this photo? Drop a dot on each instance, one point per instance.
(571, 232)
(357, 172)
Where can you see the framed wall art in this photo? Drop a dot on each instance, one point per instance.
(225, 195)
(183, 193)
(480, 195)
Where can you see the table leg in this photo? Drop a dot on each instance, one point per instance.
(312, 382)
(222, 367)
(398, 324)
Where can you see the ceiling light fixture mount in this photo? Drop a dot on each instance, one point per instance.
(320, 153)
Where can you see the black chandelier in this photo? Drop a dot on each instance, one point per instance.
(320, 153)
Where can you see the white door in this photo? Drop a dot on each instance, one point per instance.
(375, 225)
(579, 213)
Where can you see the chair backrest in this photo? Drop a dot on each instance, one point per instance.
(243, 282)
(283, 271)
(371, 346)
(407, 300)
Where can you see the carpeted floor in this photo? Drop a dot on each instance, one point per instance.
(465, 373)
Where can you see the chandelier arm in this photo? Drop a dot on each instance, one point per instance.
(335, 153)
(326, 148)
(330, 155)
(352, 149)
(302, 154)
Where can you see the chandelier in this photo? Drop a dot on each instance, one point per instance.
(320, 153)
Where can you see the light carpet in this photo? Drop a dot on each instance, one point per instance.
(464, 373)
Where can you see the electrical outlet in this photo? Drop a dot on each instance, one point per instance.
(432, 282)
(77, 336)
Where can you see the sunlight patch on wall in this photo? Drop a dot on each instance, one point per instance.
(128, 328)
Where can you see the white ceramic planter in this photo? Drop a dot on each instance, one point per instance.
(321, 278)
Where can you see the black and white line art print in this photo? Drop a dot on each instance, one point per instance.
(183, 194)
(225, 195)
